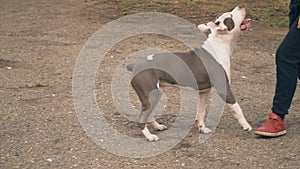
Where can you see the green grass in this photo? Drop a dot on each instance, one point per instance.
(273, 12)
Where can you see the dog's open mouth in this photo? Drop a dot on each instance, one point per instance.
(245, 24)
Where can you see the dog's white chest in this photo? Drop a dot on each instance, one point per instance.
(221, 52)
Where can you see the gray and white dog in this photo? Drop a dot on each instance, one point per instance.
(210, 66)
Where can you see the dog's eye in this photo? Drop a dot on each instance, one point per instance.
(229, 23)
(217, 22)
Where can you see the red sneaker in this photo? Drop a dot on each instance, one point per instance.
(273, 127)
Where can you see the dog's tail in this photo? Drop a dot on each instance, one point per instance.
(130, 67)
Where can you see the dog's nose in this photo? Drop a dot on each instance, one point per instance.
(240, 6)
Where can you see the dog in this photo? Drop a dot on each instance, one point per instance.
(210, 70)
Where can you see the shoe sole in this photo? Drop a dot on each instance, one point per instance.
(271, 134)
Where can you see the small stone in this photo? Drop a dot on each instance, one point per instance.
(8, 67)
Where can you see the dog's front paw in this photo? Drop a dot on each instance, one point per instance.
(246, 126)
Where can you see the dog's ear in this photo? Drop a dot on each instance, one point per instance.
(204, 28)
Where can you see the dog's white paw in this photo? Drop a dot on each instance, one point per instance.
(246, 126)
(161, 127)
(158, 126)
(204, 130)
(152, 137)
(149, 136)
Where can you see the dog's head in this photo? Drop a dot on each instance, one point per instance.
(227, 23)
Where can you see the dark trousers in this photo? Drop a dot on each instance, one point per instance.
(287, 67)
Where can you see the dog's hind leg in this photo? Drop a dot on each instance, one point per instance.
(148, 135)
(146, 115)
(158, 126)
(149, 102)
(149, 96)
(203, 97)
(154, 123)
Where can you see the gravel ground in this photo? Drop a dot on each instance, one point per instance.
(40, 42)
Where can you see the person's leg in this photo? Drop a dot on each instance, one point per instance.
(287, 67)
(299, 70)
(294, 12)
(287, 62)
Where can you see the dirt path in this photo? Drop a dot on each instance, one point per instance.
(39, 43)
